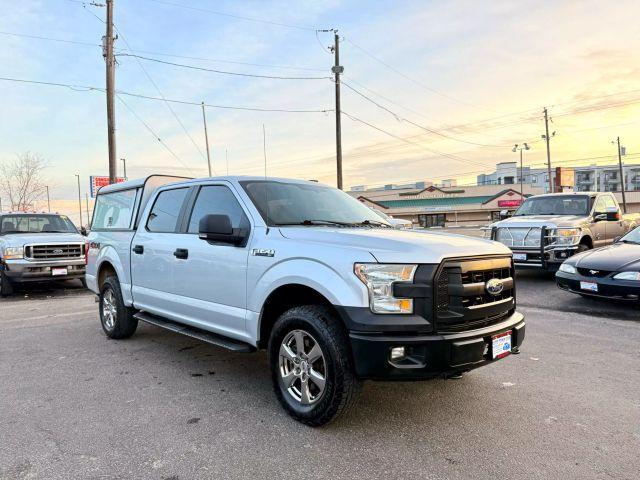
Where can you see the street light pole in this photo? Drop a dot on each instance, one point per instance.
(624, 200)
(206, 138)
(79, 199)
(515, 148)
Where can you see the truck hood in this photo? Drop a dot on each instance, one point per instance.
(19, 240)
(551, 221)
(397, 246)
(614, 258)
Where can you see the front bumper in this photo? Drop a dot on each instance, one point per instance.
(607, 287)
(429, 356)
(20, 271)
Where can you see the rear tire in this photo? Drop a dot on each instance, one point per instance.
(311, 365)
(6, 288)
(116, 319)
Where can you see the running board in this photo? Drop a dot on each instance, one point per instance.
(203, 335)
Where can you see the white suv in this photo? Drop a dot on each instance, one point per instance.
(328, 288)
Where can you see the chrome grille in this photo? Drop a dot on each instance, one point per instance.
(62, 251)
(466, 303)
(519, 236)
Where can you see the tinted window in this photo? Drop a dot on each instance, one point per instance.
(217, 200)
(166, 209)
(114, 210)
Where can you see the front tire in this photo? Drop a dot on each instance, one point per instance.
(116, 319)
(311, 365)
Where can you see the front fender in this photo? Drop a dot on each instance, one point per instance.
(313, 274)
(108, 254)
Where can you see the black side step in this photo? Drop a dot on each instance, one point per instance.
(208, 337)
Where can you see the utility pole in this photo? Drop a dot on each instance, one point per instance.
(624, 200)
(124, 168)
(206, 138)
(546, 137)
(79, 200)
(337, 70)
(107, 53)
(48, 201)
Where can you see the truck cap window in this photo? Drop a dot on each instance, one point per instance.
(282, 203)
(166, 210)
(218, 200)
(114, 211)
(555, 205)
(36, 224)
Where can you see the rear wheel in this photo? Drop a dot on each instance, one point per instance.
(116, 318)
(311, 365)
(6, 288)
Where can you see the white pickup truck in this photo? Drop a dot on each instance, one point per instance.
(327, 287)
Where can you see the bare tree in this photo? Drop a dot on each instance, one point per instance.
(21, 180)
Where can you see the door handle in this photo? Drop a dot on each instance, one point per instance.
(181, 253)
(139, 249)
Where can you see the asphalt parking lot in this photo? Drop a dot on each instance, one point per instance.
(75, 405)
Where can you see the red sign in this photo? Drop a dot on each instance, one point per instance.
(97, 182)
(509, 203)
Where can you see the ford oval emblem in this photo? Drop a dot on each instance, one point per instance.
(494, 286)
(58, 251)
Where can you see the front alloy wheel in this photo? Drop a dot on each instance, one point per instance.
(109, 310)
(302, 367)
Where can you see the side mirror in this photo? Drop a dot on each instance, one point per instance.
(217, 228)
(504, 214)
(613, 216)
(599, 217)
(83, 231)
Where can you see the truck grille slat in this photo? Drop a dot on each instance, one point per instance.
(462, 299)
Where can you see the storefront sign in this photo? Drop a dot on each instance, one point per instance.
(509, 203)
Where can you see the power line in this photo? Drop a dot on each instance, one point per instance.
(157, 137)
(427, 129)
(164, 54)
(448, 155)
(223, 72)
(87, 88)
(237, 17)
(407, 77)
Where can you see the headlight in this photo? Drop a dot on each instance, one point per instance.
(379, 279)
(566, 268)
(12, 253)
(627, 276)
(566, 236)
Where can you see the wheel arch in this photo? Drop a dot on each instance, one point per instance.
(587, 240)
(284, 298)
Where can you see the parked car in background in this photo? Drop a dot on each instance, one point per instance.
(39, 246)
(326, 286)
(548, 229)
(608, 272)
(398, 223)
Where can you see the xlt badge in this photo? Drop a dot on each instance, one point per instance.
(262, 252)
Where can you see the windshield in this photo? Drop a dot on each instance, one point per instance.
(283, 203)
(36, 224)
(382, 214)
(632, 237)
(555, 205)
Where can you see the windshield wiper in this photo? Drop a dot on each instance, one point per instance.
(629, 241)
(375, 222)
(318, 222)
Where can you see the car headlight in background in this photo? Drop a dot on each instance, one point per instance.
(12, 253)
(627, 276)
(566, 268)
(379, 279)
(566, 236)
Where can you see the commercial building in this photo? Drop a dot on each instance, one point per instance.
(434, 206)
(592, 178)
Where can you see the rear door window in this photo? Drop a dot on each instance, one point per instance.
(164, 215)
(114, 211)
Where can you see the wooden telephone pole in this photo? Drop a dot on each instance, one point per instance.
(107, 53)
(337, 70)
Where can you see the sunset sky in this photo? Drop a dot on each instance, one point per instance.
(476, 73)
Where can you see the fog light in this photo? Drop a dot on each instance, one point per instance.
(397, 353)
